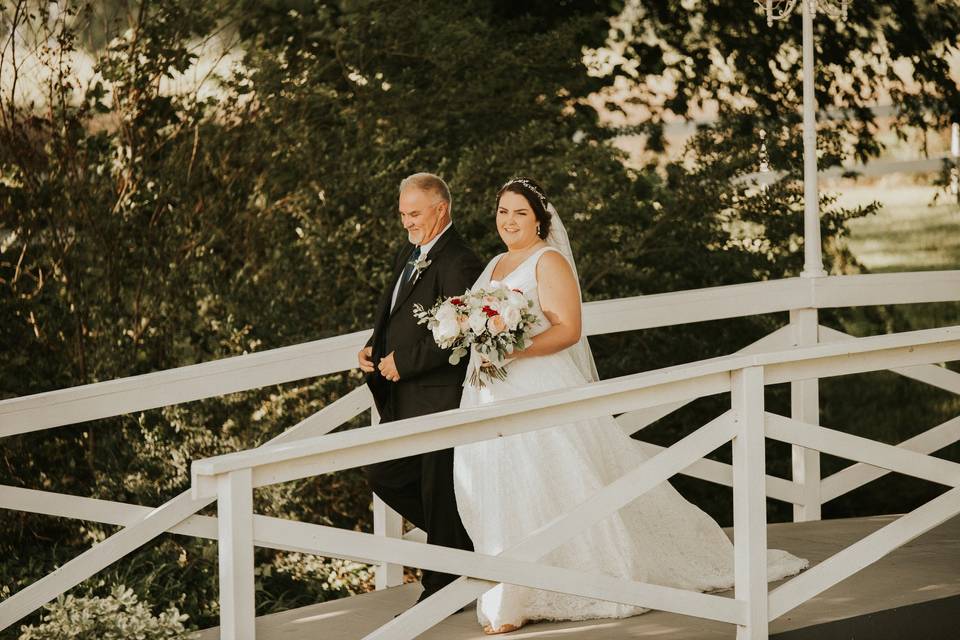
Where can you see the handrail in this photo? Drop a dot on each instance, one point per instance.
(182, 384)
(886, 288)
(158, 520)
(647, 393)
(770, 296)
(697, 305)
(528, 413)
(332, 355)
(232, 478)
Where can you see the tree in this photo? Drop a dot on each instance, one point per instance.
(722, 54)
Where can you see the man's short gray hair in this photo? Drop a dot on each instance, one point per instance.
(431, 183)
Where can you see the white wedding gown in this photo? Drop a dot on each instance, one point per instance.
(508, 487)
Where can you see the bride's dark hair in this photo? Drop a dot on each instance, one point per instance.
(535, 195)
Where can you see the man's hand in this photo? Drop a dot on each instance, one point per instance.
(366, 364)
(388, 368)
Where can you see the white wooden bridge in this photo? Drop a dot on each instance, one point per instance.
(912, 593)
(800, 352)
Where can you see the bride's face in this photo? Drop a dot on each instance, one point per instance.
(516, 221)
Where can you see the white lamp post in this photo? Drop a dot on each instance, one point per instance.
(781, 10)
(805, 394)
(955, 152)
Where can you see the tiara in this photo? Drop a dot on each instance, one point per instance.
(529, 184)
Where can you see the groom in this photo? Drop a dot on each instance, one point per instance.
(409, 375)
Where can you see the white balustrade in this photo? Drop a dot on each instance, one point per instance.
(800, 353)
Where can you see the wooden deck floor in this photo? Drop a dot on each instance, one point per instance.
(925, 571)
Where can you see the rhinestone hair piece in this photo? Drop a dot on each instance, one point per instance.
(531, 186)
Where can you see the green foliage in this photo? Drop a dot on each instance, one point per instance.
(722, 53)
(118, 616)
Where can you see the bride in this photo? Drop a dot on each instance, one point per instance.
(506, 488)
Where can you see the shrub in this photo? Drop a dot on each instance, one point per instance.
(118, 616)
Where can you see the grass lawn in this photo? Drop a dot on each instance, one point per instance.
(907, 234)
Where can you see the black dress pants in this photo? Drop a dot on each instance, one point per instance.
(420, 488)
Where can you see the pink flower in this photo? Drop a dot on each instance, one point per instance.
(496, 325)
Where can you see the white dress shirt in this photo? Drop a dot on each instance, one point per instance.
(424, 250)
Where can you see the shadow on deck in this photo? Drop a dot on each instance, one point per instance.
(912, 593)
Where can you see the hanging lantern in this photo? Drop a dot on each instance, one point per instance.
(782, 9)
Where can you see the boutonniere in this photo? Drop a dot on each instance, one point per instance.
(419, 265)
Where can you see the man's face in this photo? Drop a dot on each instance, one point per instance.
(423, 214)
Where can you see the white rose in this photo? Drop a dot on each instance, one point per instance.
(517, 299)
(478, 321)
(447, 327)
(511, 316)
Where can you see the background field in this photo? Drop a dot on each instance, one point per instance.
(911, 232)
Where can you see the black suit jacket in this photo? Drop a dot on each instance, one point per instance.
(428, 382)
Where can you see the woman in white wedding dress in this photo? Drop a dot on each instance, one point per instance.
(508, 487)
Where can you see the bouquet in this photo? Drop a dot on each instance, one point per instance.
(492, 322)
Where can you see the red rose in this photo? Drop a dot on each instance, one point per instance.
(456, 302)
(490, 312)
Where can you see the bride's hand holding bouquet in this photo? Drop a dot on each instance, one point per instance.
(493, 323)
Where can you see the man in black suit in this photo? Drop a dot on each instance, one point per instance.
(409, 375)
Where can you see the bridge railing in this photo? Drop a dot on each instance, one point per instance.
(800, 297)
(231, 479)
(332, 355)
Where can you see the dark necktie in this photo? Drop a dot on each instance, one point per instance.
(407, 270)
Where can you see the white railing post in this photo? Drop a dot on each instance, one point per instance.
(235, 532)
(805, 407)
(812, 244)
(749, 501)
(387, 523)
(955, 152)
